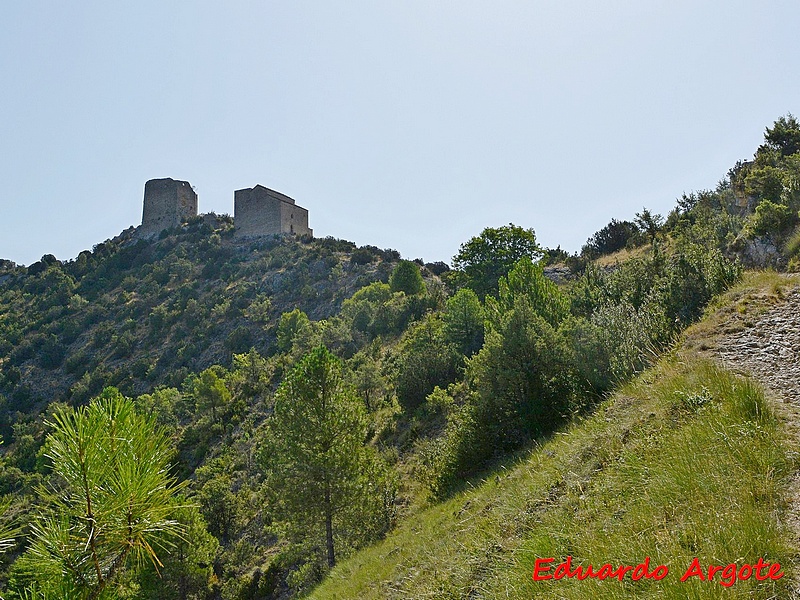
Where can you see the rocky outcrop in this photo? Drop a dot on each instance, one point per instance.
(758, 253)
(558, 274)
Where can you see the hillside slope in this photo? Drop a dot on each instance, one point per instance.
(138, 314)
(689, 460)
(758, 334)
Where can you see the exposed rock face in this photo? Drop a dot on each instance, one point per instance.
(167, 203)
(558, 274)
(760, 252)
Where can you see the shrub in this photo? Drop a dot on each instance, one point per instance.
(772, 218)
(239, 340)
(289, 325)
(611, 238)
(793, 243)
(426, 360)
(438, 267)
(463, 322)
(362, 256)
(524, 380)
(407, 278)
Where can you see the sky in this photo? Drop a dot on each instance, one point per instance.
(407, 124)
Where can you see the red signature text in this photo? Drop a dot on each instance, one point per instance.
(725, 575)
(544, 571)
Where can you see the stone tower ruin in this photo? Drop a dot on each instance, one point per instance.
(261, 211)
(167, 203)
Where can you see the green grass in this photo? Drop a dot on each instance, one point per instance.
(792, 246)
(686, 461)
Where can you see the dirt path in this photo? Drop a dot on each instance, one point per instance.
(769, 349)
(767, 346)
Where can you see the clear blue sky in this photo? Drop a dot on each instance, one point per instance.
(406, 124)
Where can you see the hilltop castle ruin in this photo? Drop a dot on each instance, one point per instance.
(167, 203)
(262, 211)
(257, 211)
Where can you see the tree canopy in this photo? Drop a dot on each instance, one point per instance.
(318, 466)
(614, 236)
(484, 259)
(407, 278)
(784, 136)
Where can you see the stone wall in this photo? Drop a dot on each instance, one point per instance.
(261, 211)
(167, 203)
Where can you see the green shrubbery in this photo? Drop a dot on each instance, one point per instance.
(548, 353)
(772, 218)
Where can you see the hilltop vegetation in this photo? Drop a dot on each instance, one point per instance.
(317, 395)
(136, 314)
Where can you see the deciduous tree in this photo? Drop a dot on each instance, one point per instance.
(491, 255)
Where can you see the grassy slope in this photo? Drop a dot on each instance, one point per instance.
(686, 461)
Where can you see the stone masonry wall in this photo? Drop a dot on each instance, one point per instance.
(260, 211)
(294, 219)
(167, 203)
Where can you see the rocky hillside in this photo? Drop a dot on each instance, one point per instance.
(759, 336)
(492, 415)
(137, 314)
(767, 344)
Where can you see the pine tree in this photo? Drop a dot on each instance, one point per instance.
(407, 278)
(113, 504)
(324, 482)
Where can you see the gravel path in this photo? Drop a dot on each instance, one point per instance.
(768, 348)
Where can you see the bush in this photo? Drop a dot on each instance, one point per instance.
(772, 218)
(793, 243)
(239, 340)
(374, 310)
(616, 342)
(524, 378)
(463, 322)
(438, 267)
(526, 282)
(426, 360)
(362, 256)
(407, 278)
(454, 455)
(52, 352)
(289, 325)
(611, 238)
(693, 275)
(766, 182)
